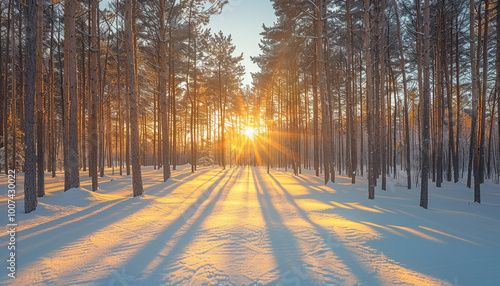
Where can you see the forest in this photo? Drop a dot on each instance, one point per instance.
(347, 87)
(366, 148)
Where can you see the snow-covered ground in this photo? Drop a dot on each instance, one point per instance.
(241, 226)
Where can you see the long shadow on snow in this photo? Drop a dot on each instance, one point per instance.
(94, 210)
(150, 251)
(280, 236)
(66, 234)
(343, 253)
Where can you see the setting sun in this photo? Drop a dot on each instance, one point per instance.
(250, 132)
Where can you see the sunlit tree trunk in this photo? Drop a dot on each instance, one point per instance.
(498, 80)
(120, 112)
(315, 115)
(132, 93)
(52, 123)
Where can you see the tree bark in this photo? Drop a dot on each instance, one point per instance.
(163, 94)
(351, 98)
(426, 102)
(405, 97)
(39, 102)
(30, 192)
(482, 129)
(498, 77)
(130, 49)
(94, 86)
(473, 144)
(369, 99)
(325, 108)
(73, 96)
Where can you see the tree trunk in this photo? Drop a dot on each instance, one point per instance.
(351, 98)
(94, 85)
(5, 90)
(482, 129)
(405, 91)
(325, 108)
(474, 75)
(30, 192)
(382, 120)
(130, 49)
(39, 101)
(120, 113)
(498, 78)
(163, 95)
(426, 102)
(73, 96)
(369, 99)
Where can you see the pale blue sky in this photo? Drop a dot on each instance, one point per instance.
(243, 19)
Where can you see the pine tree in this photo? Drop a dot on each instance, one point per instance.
(30, 192)
(132, 94)
(424, 191)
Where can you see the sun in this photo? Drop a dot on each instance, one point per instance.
(250, 132)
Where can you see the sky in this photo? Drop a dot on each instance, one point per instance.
(243, 20)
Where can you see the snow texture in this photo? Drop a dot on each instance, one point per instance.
(242, 226)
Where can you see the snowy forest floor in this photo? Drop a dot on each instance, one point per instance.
(241, 226)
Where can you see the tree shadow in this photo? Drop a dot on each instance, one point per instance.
(150, 251)
(281, 238)
(343, 253)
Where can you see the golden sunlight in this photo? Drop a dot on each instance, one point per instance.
(250, 132)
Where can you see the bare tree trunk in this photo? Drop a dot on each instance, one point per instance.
(426, 102)
(68, 8)
(473, 144)
(13, 111)
(173, 103)
(163, 94)
(439, 96)
(369, 99)
(30, 192)
(325, 108)
(39, 101)
(120, 113)
(405, 90)
(482, 124)
(457, 63)
(94, 86)
(498, 77)
(73, 95)
(5, 102)
(452, 158)
(52, 133)
(130, 49)
(382, 120)
(83, 95)
(2, 81)
(351, 97)
(315, 115)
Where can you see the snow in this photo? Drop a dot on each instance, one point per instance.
(241, 226)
